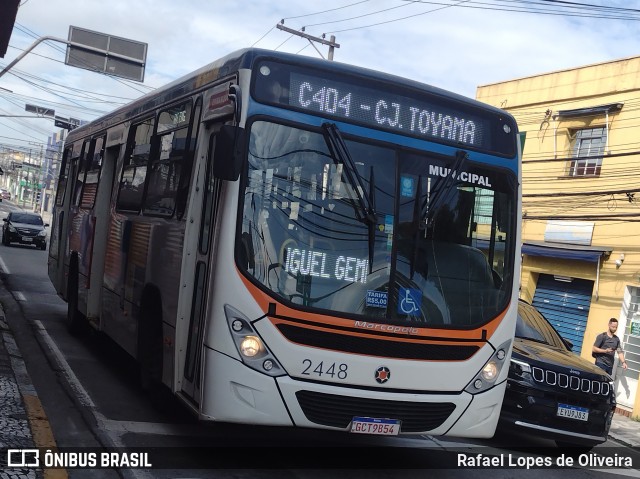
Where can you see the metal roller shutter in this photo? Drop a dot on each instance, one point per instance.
(565, 303)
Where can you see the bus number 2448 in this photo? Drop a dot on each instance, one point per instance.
(319, 369)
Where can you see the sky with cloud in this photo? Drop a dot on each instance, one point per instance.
(452, 44)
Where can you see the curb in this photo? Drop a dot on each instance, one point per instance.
(82, 402)
(626, 432)
(38, 423)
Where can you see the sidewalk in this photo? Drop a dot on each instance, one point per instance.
(15, 388)
(625, 430)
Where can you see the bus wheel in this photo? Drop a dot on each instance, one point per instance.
(74, 317)
(150, 342)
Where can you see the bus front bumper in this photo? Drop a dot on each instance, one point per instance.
(243, 395)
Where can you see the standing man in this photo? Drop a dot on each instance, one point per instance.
(606, 345)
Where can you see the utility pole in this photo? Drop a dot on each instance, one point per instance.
(331, 42)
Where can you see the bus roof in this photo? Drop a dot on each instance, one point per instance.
(244, 59)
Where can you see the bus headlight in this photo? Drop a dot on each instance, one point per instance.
(489, 373)
(250, 346)
(252, 350)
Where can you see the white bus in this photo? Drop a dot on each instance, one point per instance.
(288, 241)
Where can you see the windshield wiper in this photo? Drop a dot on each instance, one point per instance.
(433, 200)
(340, 153)
(417, 225)
(371, 225)
(365, 202)
(442, 190)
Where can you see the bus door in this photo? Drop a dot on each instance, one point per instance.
(100, 218)
(82, 218)
(216, 108)
(57, 238)
(63, 208)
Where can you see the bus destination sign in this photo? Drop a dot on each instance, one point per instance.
(384, 109)
(410, 112)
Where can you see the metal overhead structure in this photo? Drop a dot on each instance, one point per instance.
(104, 53)
(89, 50)
(48, 113)
(98, 52)
(8, 14)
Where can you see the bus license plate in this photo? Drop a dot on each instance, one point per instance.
(371, 425)
(573, 412)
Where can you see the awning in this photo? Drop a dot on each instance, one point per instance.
(590, 111)
(566, 251)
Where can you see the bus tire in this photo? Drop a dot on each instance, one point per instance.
(74, 317)
(150, 350)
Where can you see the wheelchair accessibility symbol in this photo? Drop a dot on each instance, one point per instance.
(409, 301)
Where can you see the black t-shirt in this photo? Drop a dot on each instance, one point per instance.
(603, 341)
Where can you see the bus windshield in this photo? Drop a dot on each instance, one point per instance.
(434, 247)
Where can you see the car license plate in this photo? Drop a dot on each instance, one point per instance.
(573, 412)
(371, 425)
(26, 239)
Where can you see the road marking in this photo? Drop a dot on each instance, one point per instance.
(617, 472)
(4, 267)
(41, 432)
(159, 428)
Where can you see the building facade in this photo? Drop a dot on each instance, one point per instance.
(581, 203)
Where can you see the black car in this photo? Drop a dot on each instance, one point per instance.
(552, 392)
(24, 228)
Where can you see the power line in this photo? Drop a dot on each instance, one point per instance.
(288, 38)
(504, 5)
(262, 37)
(325, 11)
(591, 5)
(363, 15)
(507, 5)
(401, 18)
(22, 72)
(580, 193)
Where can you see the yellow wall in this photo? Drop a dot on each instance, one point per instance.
(535, 102)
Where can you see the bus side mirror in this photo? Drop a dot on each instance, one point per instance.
(229, 152)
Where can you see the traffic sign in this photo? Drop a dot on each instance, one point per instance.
(100, 52)
(40, 110)
(62, 122)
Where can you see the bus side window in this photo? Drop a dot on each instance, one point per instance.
(64, 175)
(81, 175)
(94, 166)
(187, 169)
(166, 167)
(134, 171)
